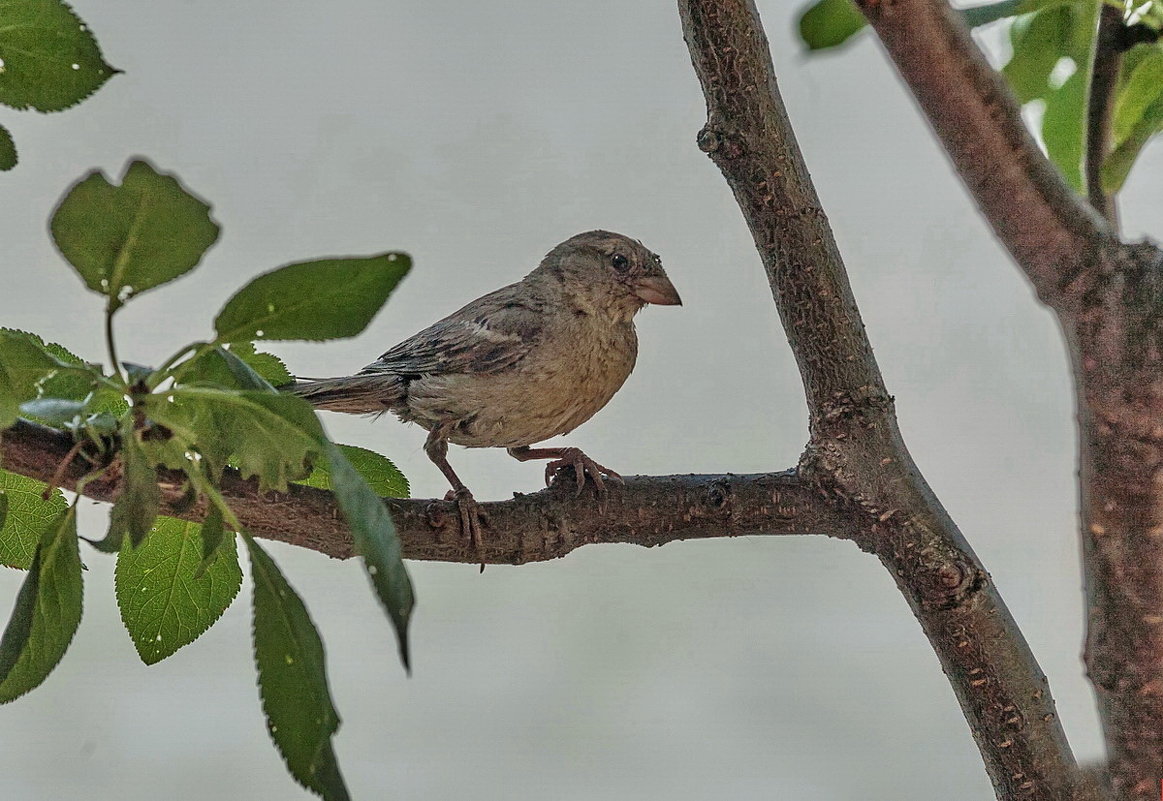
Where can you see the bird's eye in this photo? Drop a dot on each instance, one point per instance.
(620, 262)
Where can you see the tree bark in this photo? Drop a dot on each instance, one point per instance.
(1109, 299)
(648, 510)
(856, 450)
(856, 479)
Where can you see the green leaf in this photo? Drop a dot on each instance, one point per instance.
(47, 611)
(292, 680)
(164, 603)
(377, 470)
(244, 375)
(829, 23)
(1039, 43)
(56, 412)
(275, 437)
(1140, 91)
(213, 535)
(376, 540)
(124, 240)
(267, 365)
(136, 508)
(314, 300)
(221, 368)
(29, 516)
(51, 60)
(3, 510)
(1118, 163)
(8, 157)
(9, 401)
(1064, 128)
(27, 364)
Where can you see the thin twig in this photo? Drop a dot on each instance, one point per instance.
(1106, 62)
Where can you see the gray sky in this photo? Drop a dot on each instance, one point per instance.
(476, 137)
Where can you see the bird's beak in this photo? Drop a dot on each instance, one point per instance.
(657, 289)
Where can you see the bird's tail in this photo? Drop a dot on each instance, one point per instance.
(354, 394)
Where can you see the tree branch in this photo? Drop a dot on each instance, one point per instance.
(1104, 78)
(1053, 234)
(649, 510)
(856, 451)
(1117, 357)
(1109, 297)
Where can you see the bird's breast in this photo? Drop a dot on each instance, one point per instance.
(559, 385)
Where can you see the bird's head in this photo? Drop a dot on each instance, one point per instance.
(609, 273)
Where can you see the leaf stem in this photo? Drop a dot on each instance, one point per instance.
(112, 347)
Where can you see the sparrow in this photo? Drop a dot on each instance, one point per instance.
(527, 362)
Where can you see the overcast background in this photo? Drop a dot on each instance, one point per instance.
(475, 137)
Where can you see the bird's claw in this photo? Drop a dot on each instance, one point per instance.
(472, 516)
(583, 466)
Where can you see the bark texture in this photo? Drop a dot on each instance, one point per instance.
(856, 479)
(648, 510)
(856, 450)
(1109, 299)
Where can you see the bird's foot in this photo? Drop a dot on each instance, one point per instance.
(583, 466)
(472, 516)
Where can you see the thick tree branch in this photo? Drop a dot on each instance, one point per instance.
(1052, 233)
(1117, 354)
(856, 451)
(1104, 79)
(1109, 297)
(649, 510)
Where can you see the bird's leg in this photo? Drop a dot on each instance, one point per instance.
(567, 457)
(471, 514)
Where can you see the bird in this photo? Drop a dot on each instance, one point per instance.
(527, 362)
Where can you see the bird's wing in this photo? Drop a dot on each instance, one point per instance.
(487, 335)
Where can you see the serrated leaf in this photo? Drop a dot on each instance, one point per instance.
(51, 60)
(29, 516)
(136, 508)
(377, 470)
(219, 367)
(8, 157)
(124, 240)
(829, 23)
(47, 611)
(267, 365)
(1064, 128)
(245, 376)
(27, 365)
(313, 300)
(164, 603)
(376, 541)
(70, 377)
(275, 437)
(213, 534)
(292, 679)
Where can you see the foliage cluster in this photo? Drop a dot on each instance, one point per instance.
(212, 405)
